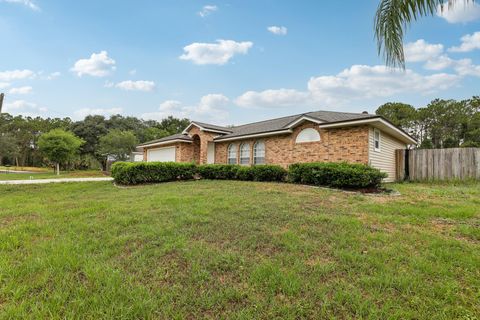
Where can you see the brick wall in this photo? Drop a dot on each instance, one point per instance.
(205, 137)
(343, 144)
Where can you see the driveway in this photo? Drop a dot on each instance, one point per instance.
(38, 181)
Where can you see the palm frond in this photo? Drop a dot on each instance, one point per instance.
(392, 19)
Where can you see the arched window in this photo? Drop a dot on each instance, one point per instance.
(245, 153)
(308, 135)
(259, 152)
(232, 154)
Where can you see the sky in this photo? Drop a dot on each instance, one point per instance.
(224, 62)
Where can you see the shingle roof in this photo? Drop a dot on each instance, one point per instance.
(282, 123)
(212, 126)
(178, 136)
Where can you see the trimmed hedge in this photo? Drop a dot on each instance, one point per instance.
(149, 172)
(336, 175)
(218, 171)
(262, 172)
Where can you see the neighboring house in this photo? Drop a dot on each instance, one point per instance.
(309, 137)
(136, 156)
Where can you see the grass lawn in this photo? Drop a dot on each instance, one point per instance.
(50, 175)
(243, 250)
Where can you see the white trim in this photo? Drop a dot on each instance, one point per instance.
(370, 121)
(265, 134)
(203, 129)
(164, 142)
(375, 130)
(303, 118)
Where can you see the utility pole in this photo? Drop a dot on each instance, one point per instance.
(1, 101)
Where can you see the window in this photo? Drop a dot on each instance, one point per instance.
(259, 152)
(376, 139)
(308, 135)
(232, 154)
(245, 153)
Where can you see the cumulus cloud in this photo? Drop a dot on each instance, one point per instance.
(281, 31)
(421, 50)
(210, 108)
(140, 85)
(460, 12)
(53, 75)
(207, 10)
(82, 113)
(24, 107)
(470, 42)
(217, 53)
(98, 65)
(354, 83)
(16, 75)
(28, 3)
(465, 67)
(21, 90)
(4, 85)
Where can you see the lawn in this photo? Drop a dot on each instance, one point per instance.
(242, 250)
(50, 175)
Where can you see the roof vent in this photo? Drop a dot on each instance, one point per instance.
(364, 112)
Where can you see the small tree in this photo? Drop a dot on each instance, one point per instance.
(59, 146)
(118, 144)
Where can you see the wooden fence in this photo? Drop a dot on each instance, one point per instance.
(438, 164)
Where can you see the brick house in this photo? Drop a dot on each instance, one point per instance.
(309, 137)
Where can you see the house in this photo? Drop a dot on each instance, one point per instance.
(310, 137)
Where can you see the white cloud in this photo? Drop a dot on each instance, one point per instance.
(460, 11)
(53, 75)
(470, 42)
(421, 50)
(82, 113)
(28, 3)
(465, 67)
(214, 53)
(359, 82)
(21, 90)
(210, 108)
(281, 31)
(132, 72)
(207, 10)
(24, 107)
(4, 85)
(272, 98)
(439, 63)
(98, 65)
(140, 85)
(16, 75)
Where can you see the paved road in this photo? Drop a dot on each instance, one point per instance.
(38, 181)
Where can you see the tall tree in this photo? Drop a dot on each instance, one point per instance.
(400, 114)
(59, 146)
(392, 19)
(118, 144)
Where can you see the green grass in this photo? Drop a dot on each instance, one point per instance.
(50, 175)
(241, 250)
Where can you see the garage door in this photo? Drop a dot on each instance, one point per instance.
(161, 154)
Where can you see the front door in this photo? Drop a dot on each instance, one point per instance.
(210, 153)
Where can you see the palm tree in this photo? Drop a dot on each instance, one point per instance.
(393, 17)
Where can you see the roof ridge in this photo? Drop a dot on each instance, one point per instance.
(246, 124)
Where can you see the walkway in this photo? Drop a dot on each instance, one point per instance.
(38, 181)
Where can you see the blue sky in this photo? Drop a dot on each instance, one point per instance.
(224, 62)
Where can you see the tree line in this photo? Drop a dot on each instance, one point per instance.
(96, 138)
(440, 124)
(89, 143)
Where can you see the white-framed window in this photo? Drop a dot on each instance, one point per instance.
(245, 153)
(232, 153)
(308, 135)
(376, 139)
(259, 152)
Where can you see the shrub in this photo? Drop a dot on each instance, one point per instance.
(266, 172)
(150, 172)
(218, 171)
(337, 175)
(236, 172)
